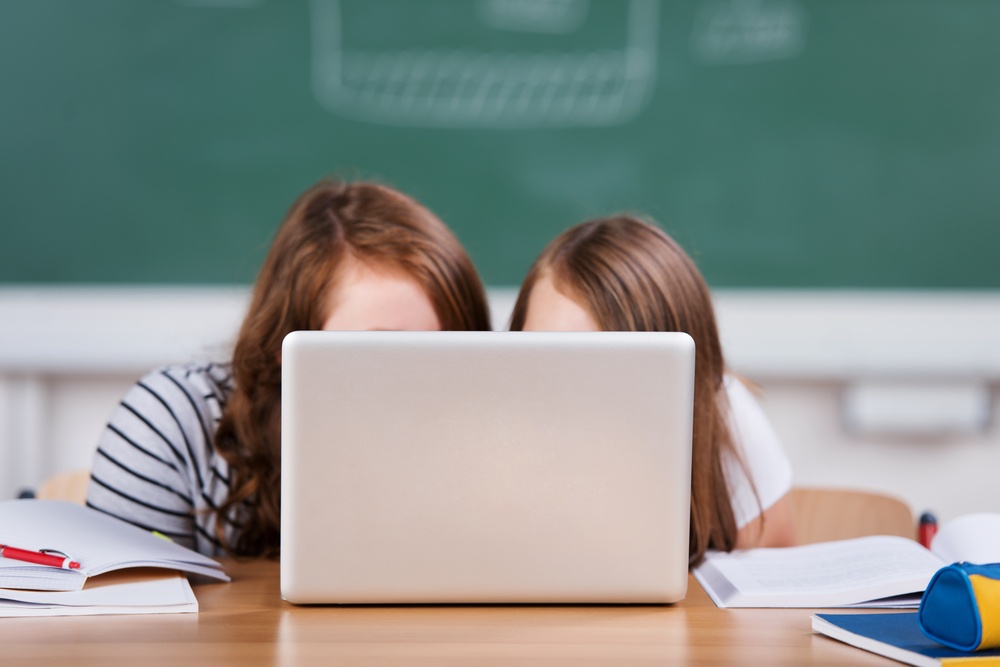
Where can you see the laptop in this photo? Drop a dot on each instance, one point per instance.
(485, 467)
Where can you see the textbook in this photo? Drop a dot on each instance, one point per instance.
(97, 542)
(878, 571)
(897, 636)
(131, 591)
(857, 572)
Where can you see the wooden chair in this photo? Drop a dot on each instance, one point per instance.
(821, 515)
(65, 486)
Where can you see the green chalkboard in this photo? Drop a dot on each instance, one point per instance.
(785, 143)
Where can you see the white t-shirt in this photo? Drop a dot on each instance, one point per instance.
(762, 452)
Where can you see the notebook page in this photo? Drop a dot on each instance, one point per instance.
(100, 543)
(829, 574)
(17, 574)
(117, 589)
(828, 567)
(129, 592)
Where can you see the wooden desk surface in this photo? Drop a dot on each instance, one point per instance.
(247, 623)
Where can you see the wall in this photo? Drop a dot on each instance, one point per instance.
(926, 429)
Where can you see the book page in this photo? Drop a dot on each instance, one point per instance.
(124, 592)
(973, 538)
(18, 574)
(99, 542)
(831, 573)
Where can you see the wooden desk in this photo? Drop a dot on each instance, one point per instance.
(246, 623)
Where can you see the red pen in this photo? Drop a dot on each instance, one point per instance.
(39, 557)
(927, 530)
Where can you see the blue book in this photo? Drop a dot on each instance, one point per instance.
(896, 636)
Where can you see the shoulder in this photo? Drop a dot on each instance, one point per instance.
(175, 404)
(759, 446)
(189, 386)
(753, 434)
(746, 414)
(196, 376)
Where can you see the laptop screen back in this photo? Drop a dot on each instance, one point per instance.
(482, 467)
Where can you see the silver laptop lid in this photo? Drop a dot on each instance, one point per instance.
(436, 467)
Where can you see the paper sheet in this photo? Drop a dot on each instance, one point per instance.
(134, 591)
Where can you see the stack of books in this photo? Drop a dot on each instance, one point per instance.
(64, 559)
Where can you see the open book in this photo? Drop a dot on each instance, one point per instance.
(100, 543)
(879, 571)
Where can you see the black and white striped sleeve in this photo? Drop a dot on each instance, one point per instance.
(155, 464)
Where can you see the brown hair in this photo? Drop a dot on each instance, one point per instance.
(327, 223)
(631, 276)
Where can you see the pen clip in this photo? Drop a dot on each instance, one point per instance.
(69, 561)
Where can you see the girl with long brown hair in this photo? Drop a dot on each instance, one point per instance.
(624, 274)
(193, 451)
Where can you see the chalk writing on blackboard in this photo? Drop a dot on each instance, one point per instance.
(556, 16)
(749, 31)
(557, 84)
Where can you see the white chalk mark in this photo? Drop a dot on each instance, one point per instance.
(464, 88)
(555, 16)
(749, 31)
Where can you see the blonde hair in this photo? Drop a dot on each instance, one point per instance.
(631, 276)
(373, 223)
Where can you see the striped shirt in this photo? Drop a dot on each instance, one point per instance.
(156, 465)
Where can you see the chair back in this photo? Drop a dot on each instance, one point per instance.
(822, 515)
(66, 486)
